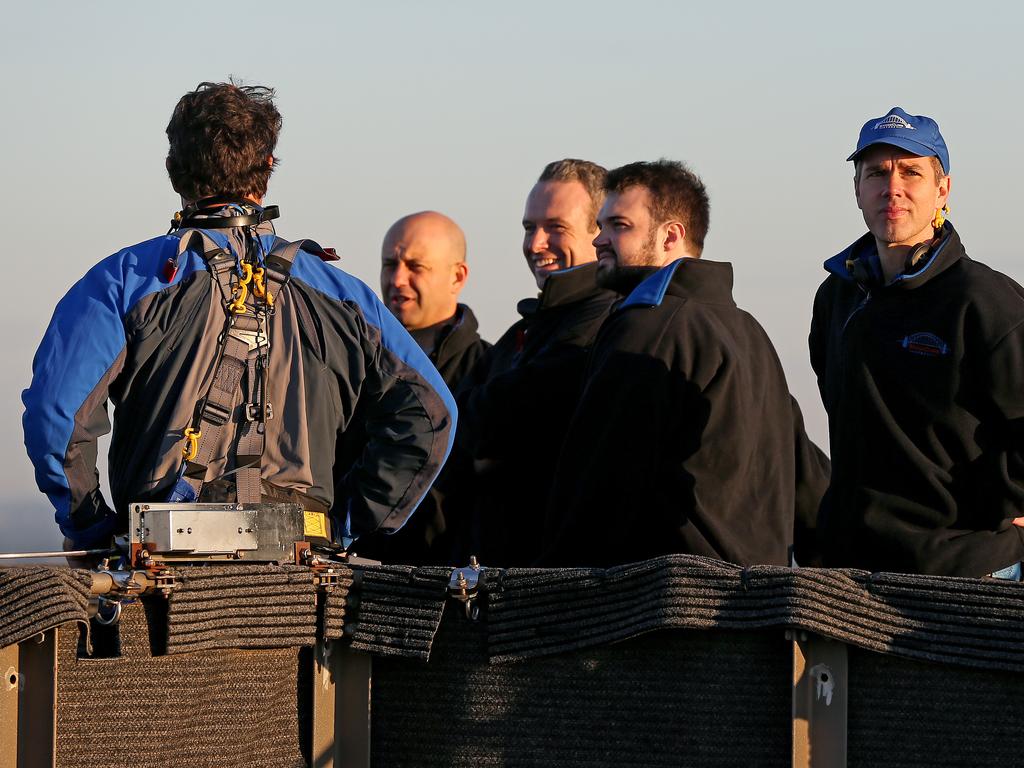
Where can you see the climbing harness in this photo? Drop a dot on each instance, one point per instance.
(238, 398)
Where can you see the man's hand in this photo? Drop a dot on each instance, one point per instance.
(1019, 522)
(88, 562)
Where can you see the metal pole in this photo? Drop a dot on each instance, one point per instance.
(9, 706)
(69, 553)
(341, 707)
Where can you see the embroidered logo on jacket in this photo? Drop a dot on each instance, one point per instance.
(893, 121)
(927, 344)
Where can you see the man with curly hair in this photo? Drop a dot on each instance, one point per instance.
(241, 367)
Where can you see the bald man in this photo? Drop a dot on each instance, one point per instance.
(423, 270)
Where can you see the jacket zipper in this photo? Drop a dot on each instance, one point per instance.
(858, 308)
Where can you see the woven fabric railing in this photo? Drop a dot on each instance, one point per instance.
(974, 622)
(38, 598)
(241, 606)
(395, 610)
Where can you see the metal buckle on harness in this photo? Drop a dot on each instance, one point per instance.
(256, 412)
(216, 414)
(253, 339)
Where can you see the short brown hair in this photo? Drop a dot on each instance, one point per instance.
(221, 136)
(676, 193)
(591, 175)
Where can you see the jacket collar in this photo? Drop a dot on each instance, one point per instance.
(459, 333)
(942, 256)
(565, 287)
(706, 281)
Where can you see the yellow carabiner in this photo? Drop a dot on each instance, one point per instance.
(260, 288)
(237, 303)
(246, 273)
(189, 451)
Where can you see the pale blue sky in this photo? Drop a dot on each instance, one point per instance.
(399, 106)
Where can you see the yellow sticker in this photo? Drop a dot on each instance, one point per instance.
(314, 524)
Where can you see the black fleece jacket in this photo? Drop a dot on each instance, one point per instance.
(923, 381)
(514, 409)
(686, 439)
(455, 348)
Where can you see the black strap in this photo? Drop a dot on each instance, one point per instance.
(201, 214)
(229, 222)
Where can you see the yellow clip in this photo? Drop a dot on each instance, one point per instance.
(190, 450)
(260, 288)
(940, 217)
(237, 303)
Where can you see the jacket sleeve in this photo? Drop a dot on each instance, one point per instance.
(65, 405)
(409, 422)
(404, 414)
(813, 471)
(817, 340)
(1003, 429)
(515, 409)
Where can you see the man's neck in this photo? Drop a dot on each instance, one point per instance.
(429, 337)
(893, 258)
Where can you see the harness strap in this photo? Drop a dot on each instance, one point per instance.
(243, 356)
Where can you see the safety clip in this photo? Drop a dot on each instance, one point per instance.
(259, 288)
(241, 290)
(190, 450)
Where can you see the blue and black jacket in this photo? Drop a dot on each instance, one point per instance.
(362, 422)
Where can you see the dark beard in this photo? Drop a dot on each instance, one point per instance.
(623, 280)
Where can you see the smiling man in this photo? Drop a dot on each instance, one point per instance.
(919, 353)
(519, 400)
(685, 439)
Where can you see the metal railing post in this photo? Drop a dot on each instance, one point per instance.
(820, 689)
(341, 707)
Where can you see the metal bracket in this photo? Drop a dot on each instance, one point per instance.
(464, 586)
(341, 706)
(820, 689)
(28, 703)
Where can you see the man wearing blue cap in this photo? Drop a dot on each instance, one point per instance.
(919, 353)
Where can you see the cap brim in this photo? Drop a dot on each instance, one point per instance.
(919, 149)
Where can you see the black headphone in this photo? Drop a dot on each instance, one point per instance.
(197, 214)
(861, 272)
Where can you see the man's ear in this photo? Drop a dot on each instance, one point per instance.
(945, 187)
(674, 239)
(460, 273)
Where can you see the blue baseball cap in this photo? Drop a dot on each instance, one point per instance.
(914, 133)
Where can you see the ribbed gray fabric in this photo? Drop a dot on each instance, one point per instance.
(241, 606)
(333, 603)
(36, 598)
(710, 699)
(395, 610)
(201, 710)
(565, 694)
(972, 622)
